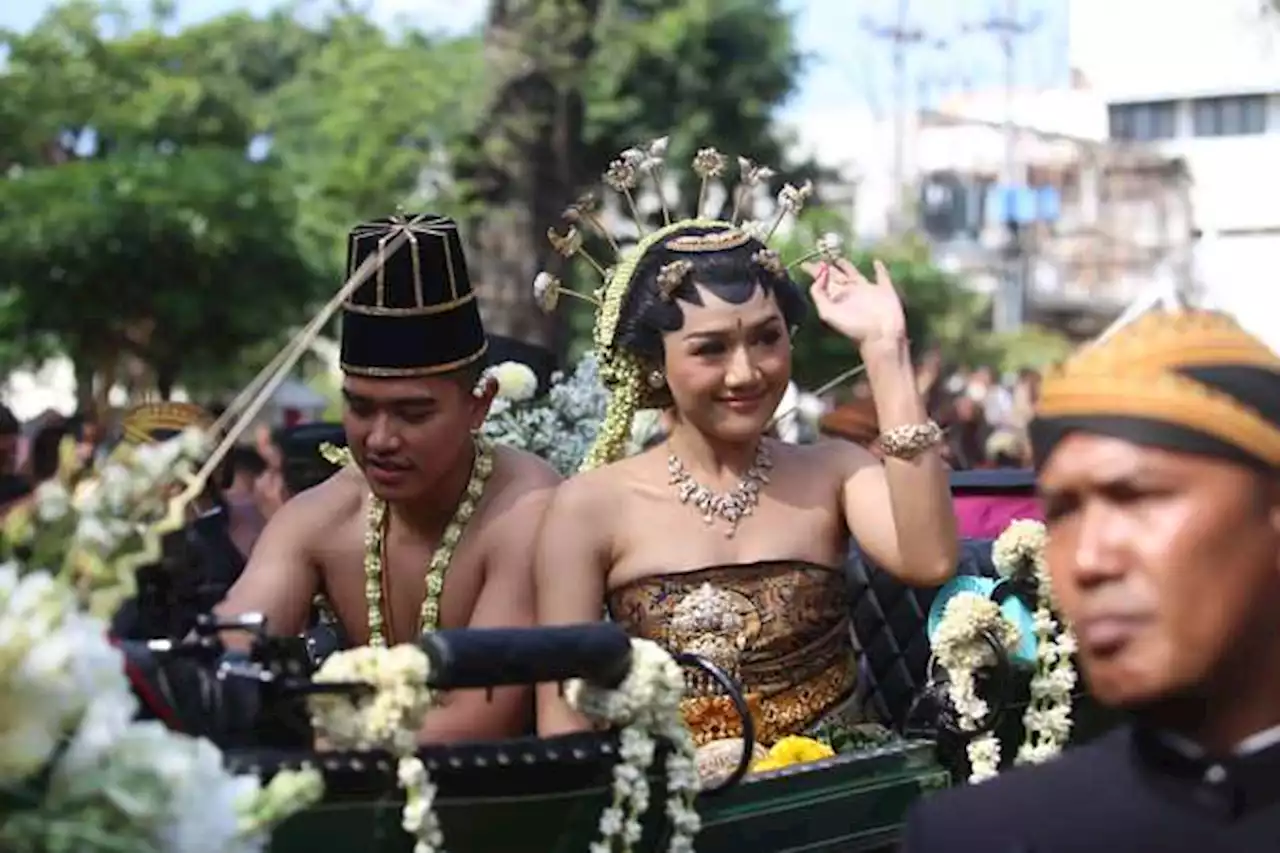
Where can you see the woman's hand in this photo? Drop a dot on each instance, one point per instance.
(862, 311)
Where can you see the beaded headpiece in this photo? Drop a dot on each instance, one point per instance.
(1189, 380)
(620, 370)
(153, 422)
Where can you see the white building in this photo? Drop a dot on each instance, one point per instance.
(1200, 80)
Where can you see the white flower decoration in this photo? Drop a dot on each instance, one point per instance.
(516, 382)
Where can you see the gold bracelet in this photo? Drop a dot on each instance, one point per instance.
(908, 441)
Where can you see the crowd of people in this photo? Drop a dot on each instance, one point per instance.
(985, 417)
(258, 477)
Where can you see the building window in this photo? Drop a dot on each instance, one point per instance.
(1244, 115)
(1144, 122)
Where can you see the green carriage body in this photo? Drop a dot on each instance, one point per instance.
(546, 796)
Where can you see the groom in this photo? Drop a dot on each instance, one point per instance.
(430, 527)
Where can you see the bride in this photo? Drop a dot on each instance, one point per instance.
(720, 541)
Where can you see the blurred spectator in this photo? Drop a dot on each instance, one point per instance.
(239, 473)
(855, 421)
(46, 446)
(967, 431)
(1007, 448)
(995, 399)
(1026, 391)
(13, 486)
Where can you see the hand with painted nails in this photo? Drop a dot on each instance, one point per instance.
(855, 307)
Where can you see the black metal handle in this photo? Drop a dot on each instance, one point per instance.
(731, 689)
(597, 652)
(947, 718)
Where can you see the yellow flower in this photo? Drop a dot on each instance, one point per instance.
(798, 750)
(764, 765)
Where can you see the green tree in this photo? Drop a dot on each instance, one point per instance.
(133, 225)
(172, 259)
(573, 82)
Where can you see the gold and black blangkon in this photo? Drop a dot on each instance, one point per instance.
(1189, 381)
(417, 315)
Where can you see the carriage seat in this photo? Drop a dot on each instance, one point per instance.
(890, 618)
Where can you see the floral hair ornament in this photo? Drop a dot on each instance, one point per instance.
(670, 277)
(621, 372)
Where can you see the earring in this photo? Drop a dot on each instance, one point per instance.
(656, 379)
(482, 385)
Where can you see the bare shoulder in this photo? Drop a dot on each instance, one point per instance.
(835, 455)
(323, 508)
(519, 478)
(597, 494)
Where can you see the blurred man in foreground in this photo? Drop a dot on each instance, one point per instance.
(1158, 455)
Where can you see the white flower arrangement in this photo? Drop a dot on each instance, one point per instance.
(81, 773)
(1019, 553)
(559, 426)
(961, 648)
(388, 717)
(647, 706)
(1019, 556)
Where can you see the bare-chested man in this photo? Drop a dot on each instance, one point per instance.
(455, 546)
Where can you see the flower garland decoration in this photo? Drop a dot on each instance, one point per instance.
(1019, 557)
(961, 647)
(375, 526)
(1018, 554)
(387, 717)
(646, 706)
(78, 771)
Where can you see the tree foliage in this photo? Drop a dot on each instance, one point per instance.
(134, 225)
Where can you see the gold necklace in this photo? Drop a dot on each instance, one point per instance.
(375, 531)
(733, 505)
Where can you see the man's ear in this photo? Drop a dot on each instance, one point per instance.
(486, 388)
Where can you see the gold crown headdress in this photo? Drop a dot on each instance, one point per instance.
(621, 371)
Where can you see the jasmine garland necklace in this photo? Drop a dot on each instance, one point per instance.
(374, 537)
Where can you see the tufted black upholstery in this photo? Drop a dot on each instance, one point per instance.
(889, 619)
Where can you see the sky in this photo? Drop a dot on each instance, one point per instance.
(848, 73)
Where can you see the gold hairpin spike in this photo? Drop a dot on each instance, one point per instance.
(770, 261)
(829, 248)
(623, 176)
(671, 276)
(547, 290)
(708, 164)
(569, 244)
(790, 200)
(585, 210)
(655, 158)
(750, 176)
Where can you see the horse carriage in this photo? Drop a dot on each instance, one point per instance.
(547, 794)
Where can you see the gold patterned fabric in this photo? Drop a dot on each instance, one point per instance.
(1188, 380)
(780, 629)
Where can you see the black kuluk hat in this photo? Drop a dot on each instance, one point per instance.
(416, 315)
